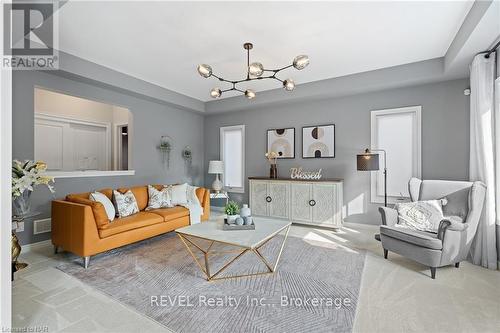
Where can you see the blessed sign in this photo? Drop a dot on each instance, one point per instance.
(298, 173)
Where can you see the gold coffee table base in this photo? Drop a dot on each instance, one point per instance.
(205, 268)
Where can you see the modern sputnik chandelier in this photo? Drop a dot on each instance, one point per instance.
(255, 71)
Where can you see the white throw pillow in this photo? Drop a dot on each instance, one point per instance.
(178, 194)
(108, 205)
(158, 199)
(420, 215)
(125, 203)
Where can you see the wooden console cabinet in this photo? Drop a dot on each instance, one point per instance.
(315, 202)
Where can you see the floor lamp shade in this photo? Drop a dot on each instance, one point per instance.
(368, 162)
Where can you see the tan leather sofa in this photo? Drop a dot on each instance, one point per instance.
(81, 226)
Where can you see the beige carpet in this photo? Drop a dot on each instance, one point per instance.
(316, 287)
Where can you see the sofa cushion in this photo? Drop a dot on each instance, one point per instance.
(420, 238)
(140, 194)
(139, 220)
(169, 214)
(100, 215)
(85, 195)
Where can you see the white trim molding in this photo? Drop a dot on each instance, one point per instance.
(395, 145)
(5, 192)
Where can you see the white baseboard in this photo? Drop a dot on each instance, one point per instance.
(34, 246)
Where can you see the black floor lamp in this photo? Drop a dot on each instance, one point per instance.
(370, 162)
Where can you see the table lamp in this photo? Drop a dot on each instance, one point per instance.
(370, 162)
(216, 168)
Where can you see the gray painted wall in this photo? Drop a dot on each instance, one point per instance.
(150, 121)
(445, 136)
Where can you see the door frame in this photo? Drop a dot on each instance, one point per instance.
(5, 193)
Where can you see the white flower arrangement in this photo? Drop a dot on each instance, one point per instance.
(272, 156)
(28, 174)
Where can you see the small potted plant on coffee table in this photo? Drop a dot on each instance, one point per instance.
(232, 209)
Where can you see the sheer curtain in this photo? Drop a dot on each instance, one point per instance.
(484, 162)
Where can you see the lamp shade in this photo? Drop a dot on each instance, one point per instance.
(216, 167)
(367, 161)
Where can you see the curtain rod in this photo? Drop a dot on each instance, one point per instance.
(487, 55)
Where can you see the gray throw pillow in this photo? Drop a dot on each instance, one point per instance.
(457, 204)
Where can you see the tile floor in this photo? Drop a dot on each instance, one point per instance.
(397, 295)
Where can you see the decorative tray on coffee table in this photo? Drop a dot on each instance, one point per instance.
(233, 226)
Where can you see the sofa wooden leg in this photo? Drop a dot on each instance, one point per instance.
(457, 264)
(56, 249)
(433, 272)
(86, 261)
(386, 252)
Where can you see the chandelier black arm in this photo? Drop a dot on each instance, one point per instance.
(278, 70)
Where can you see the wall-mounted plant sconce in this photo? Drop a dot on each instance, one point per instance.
(165, 147)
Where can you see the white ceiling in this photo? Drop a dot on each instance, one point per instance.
(162, 42)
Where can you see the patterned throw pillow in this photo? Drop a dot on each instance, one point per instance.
(420, 215)
(158, 199)
(125, 203)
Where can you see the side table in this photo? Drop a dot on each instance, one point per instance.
(220, 195)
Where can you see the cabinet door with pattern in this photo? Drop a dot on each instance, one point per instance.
(279, 193)
(323, 197)
(301, 211)
(258, 195)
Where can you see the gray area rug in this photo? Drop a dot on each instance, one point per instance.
(315, 288)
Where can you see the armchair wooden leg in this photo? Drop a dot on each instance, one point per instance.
(433, 272)
(386, 252)
(56, 249)
(457, 264)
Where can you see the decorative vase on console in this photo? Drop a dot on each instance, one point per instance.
(272, 157)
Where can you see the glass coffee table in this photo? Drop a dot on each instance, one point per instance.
(244, 240)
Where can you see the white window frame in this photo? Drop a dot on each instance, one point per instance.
(417, 157)
(221, 151)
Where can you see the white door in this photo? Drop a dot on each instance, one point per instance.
(279, 199)
(323, 203)
(258, 195)
(301, 211)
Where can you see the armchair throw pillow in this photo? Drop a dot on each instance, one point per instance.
(420, 215)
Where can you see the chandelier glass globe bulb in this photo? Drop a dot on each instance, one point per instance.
(249, 93)
(288, 84)
(204, 70)
(256, 69)
(300, 62)
(215, 93)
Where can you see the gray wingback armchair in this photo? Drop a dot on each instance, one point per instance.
(452, 242)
